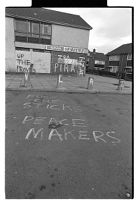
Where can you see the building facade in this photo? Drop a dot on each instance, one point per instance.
(96, 61)
(52, 41)
(120, 60)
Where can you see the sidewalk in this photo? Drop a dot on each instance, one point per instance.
(70, 84)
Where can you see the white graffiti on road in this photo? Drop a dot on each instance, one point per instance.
(63, 129)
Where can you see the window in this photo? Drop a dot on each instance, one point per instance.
(32, 32)
(45, 29)
(113, 69)
(38, 50)
(129, 62)
(114, 63)
(100, 62)
(22, 26)
(22, 49)
(114, 58)
(129, 57)
(128, 69)
(35, 30)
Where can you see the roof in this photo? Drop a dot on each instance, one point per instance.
(98, 56)
(123, 49)
(48, 16)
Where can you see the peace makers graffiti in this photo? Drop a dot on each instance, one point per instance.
(50, 126)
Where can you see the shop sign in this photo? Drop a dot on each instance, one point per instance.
(65, 49)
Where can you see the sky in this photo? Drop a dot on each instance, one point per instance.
(112, 27)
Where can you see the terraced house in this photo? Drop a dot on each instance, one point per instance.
(49, 41)
(120, 61)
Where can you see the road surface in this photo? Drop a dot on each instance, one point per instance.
(62, 145)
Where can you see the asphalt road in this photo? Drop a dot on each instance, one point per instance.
(71, 146)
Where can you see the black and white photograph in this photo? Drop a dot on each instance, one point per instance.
(68, 103)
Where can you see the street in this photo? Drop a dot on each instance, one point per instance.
(61, 145)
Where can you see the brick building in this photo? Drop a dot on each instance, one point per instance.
(54, 42)
(120, 60)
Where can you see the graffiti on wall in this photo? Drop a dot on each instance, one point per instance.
(66, 64)
(23, 64)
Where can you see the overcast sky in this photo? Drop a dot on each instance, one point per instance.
(112, 27)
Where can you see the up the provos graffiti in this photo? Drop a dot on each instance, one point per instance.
(62, 129)
(23, 65)
(67, 64)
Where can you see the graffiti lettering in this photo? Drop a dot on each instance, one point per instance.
(62, 129)
(23, 64)
(34, 133)
(66, 64)
(96, 136)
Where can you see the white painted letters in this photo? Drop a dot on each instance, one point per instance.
(39, 120)
(98, 137)
(27, 118)
(83, 135)
(78, 122)
(54, 132)
(35, 134)
(68, 133)
(115, 140)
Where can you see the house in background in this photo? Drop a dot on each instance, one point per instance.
(95, 61)
(120, 60)
(54, 42)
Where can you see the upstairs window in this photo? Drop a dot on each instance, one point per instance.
(32, 32)
(45, 29)
(114, 58)
(129, 57)
(22, 26)
(35, 29)
(100, 62)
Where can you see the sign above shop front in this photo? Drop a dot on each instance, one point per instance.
(66, 49)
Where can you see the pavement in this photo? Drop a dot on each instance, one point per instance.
(75, 84)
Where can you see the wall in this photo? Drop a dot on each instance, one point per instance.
(67, 63)
(69, 36)
(40, 61)
(10, 49)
